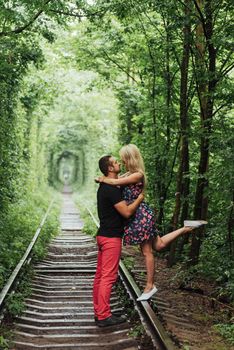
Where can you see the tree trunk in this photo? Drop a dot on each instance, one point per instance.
(182, 186)
(230, 228)
(205, 88)
(169, 87)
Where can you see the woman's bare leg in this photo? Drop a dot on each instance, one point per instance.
(162, 242)
(147, 251)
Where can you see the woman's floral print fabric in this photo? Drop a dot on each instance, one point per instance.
(141, 226)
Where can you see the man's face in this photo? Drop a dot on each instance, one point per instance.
(114, 166)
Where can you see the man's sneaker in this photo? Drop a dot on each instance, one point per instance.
(194, 223)
(110, 321)
(118, 313)
(114, 313)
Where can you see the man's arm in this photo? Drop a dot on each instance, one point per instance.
(127, 210)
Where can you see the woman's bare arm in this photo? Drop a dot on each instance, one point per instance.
(122, 181)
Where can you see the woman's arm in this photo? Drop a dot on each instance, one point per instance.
(122, 181)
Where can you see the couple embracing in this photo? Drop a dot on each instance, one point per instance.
(123, 213)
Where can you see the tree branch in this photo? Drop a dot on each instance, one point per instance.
(185, 5)
(220, 107)
(202, 18)
(155, 26)
(176, 56)
(119, 66)
(72, 14)
(227, 70)
(196, 81)
(173, 163)
(225, 61)
(22, 28)
(191, 92)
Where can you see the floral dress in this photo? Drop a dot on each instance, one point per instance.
(141, 226)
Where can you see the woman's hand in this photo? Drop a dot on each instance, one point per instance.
(99, 179)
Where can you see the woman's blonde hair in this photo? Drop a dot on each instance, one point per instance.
(133, 160)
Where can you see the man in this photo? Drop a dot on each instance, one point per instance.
(112, 210)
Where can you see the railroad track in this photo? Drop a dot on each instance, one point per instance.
(59, 312)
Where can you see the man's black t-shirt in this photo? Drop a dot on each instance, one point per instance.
(111, 222)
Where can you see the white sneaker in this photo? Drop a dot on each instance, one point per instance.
(146, 296)
(195, 223)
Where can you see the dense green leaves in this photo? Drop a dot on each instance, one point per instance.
(139, 48)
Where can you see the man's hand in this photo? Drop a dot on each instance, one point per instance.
(141, 196)
(128, 210)
(99, 179)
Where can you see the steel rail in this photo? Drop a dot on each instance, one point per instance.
(157, 332)
(13, 277)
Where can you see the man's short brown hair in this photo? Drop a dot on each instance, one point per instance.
(104, 163)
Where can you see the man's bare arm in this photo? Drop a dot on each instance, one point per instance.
(128, 210)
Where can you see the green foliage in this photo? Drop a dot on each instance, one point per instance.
(89, 226)
(24, 194)
(20, 224)
(129, 262)
(213, 265)
(138, 49)
(49, 230)
(137, 331)
(36, 127)
(85, 200)
(15, 305)
(15, 301)
(4, 343)
(186, 347)
(75, 137)
(227, 331)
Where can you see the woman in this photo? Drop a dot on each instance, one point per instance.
(141, 229)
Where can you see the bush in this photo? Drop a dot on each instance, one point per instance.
(17, 227)
(227, 331)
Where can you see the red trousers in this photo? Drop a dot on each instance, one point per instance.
(109, 250)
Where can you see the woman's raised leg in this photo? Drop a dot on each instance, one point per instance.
(162, 242)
